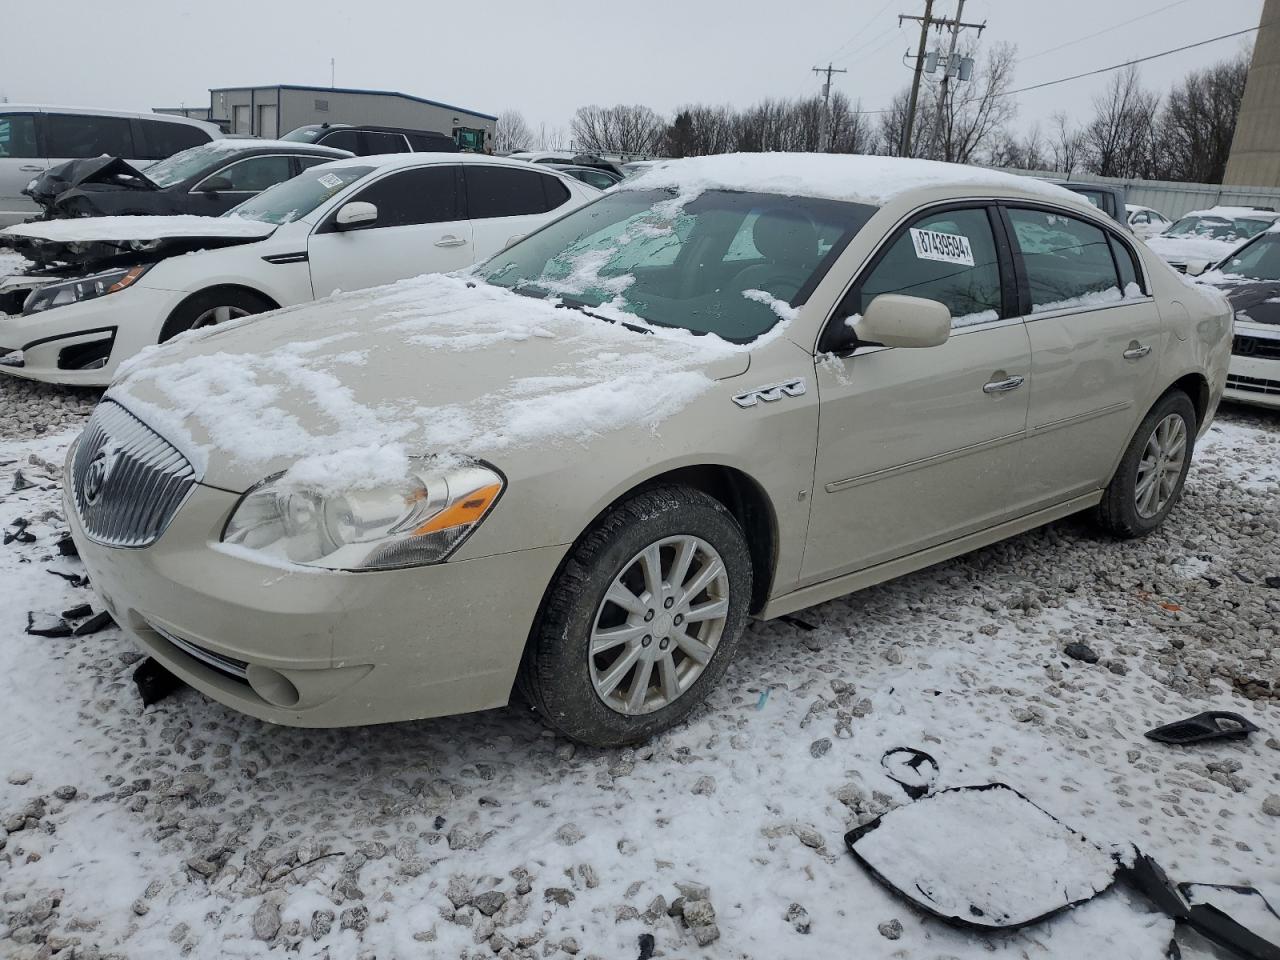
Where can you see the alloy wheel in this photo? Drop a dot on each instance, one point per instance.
(1161, 466)
(216, 315)
(658, 625)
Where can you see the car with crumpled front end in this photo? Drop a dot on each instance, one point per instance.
(731, 387)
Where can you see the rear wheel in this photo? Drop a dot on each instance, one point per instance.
(210, 307)
(1148, 482)
(642, 620)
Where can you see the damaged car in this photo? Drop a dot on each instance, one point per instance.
(731, 387)
(205, 181)
(103, 288)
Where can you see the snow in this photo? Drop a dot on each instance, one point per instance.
(1231, 213)
(1182, 249)
(941, 660)
(138, 229)
(603, 378)
(12, 264)
(783, 309)
(989, 850)
(1096, 298)
(848, 177)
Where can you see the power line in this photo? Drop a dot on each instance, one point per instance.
(869, 20)
(1116, 26)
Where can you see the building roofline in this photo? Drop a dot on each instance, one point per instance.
(380, 93)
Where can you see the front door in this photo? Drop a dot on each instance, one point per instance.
(1096, 341)
(419, 230)
(920, 446)
(21, 161)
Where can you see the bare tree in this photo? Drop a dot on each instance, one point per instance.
(1193, 134)
(511, 132)
(975, 113)
(1118, 139)
(620, 129)
(552, 138)
(1021, 153)
(851, 130)
(1066, 144)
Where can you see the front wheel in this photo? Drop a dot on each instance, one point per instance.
(642, 620)
(1148, 482)
(210, 307)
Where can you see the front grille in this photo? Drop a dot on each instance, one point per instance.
(1254, 385)
(1245, 346)
(127, 481)
(232, 667)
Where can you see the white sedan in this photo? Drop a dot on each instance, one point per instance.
(137, 281)
(1145, 222)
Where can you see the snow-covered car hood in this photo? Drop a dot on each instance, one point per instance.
(340, 392)
(1257, 301)
(83, 240)
(1181, 249)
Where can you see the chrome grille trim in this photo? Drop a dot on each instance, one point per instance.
(127, 481)
(228, 665)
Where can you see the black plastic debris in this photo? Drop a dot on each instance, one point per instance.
(913, 770)
(1149, 879)
(1081, 651)
(1211, 725)
(1236, 918)
(78, 612)
(18, 532)
(1273, 582)
(797, 622)
(47, 625)
(974, 856)
(20, 482)
(99, 621)
(154, 682)
(66, 546)
(647, 946)
(75, 579)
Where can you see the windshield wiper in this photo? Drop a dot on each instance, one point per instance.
(582, 306)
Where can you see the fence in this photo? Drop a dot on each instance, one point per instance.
(1175, 199)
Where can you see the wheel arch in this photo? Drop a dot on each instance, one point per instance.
(167, 333)
(1195, 386)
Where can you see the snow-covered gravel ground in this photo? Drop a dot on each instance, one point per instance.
(186, 829)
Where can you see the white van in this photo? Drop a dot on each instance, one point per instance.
(34, 138)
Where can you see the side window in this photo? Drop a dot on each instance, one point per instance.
(71, 136)
(162, 139)
(306, 163)
(342, 140)
(949, 257)
(1130, 276)
(423, 195)
(18, 136)
(1142, 217)
(255, 174)
(1068, 262)
(375, 143)
(505, 192)
(554, 192)
(431, 143)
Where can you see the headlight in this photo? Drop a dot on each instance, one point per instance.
(421, 520)
(83, 288)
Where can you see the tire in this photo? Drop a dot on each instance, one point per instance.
(564, 681)
(194, 310)
(1128, 508)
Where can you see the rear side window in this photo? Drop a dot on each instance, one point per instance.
(73, 136)
(508, 192)
(18, 136)
(949, 257)
(161, 139)
(255, 174)
(343, 140)
(424, 195)
(1130, 277)
(375, 142)
(431, 143)
(1068, 262)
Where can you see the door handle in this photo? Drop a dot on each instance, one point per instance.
(1137, 351)
(1003, 386)
(31, 168)
(450, 241)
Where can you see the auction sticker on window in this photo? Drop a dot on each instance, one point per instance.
(944, 247)
(330, 180)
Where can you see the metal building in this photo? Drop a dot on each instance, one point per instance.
(1255, 149)
(274, 111)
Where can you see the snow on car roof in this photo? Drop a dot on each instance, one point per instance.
(98, 229)
(253, 143)
(850, 177)
(1231, 213)
(384, 160)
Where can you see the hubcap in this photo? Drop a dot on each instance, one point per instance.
(1160, 466)
(658, 625)
(218, 315)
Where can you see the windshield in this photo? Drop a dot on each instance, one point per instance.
(1218, 228)
(293, 199)
(725, 263)
(1258, 260)
(189, 163)
(307, 134)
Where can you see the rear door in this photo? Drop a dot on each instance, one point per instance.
(420, 229)
(1096, 341)
(21, 160)
(505, 203)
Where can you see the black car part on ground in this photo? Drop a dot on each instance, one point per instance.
(154, 682)
(913, 770)
(1210, 725)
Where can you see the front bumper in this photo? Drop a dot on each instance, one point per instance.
(1254, 376)
(311, 648)
(54, 344)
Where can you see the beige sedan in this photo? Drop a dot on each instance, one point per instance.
(732, 387)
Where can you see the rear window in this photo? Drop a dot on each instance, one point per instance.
(71, 136)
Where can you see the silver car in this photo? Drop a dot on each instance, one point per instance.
(732, 387)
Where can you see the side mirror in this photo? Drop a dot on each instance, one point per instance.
(897, 321)
(355, 213)
(216, 185)
(1197, 267)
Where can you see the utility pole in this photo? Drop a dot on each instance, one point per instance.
(824, 136)
(927, 21)
(332, 71)
(956, 26)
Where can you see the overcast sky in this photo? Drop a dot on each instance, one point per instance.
(547, 58)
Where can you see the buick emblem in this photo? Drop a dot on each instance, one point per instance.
(99, 470)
